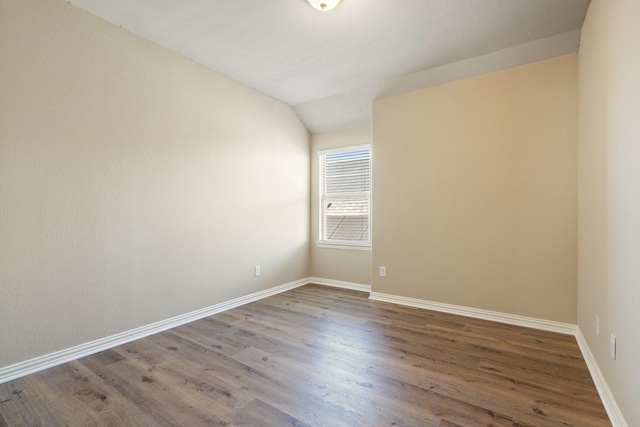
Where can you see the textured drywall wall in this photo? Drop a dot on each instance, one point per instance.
(475, 192)
(135, 184)
(609, 194)
(330, 263)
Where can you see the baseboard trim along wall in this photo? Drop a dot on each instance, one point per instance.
(511, 319)
(41, 363)
(610, 405)
(340, 284)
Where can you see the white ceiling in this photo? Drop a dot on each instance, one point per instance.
(330, 65)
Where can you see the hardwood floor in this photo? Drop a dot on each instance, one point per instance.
(318, 356)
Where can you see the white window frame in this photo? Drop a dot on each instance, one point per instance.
(333, 243)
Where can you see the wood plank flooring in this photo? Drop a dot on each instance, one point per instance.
(317, 356)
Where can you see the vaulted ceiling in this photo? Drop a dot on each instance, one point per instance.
(329, 66)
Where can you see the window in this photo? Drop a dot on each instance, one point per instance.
(345, 196)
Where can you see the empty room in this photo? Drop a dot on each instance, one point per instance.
(320, 213)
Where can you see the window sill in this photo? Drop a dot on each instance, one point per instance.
(326, 245)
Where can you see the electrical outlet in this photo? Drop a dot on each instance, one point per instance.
(613, 347)
(383, 271)
(597, 325)
(256, 271)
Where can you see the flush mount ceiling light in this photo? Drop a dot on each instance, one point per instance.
(323, 5)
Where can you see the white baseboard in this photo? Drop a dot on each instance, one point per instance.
(40, 363)
(494, 316)
(610, 405)
(340, 284)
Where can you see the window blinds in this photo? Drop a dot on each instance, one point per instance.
(345, 196)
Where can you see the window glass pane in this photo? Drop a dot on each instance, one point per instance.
(347, 220)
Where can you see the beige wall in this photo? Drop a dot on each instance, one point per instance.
(475, 192)
(135, 184)
(328, 263)
(609, 182)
